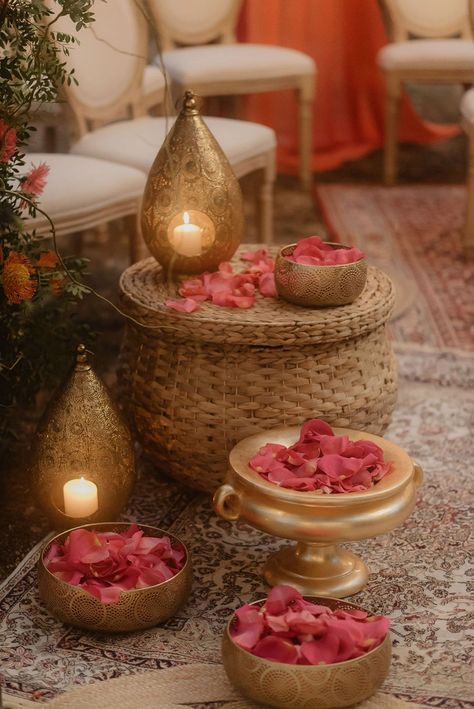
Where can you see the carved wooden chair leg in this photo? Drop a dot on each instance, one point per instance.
(265, 205)
(137, 247)
(305, 116)
(468, 241)
(392, 109)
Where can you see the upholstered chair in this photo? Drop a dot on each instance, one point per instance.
(441, 51)
(200, 53)
(109, 65)
(84, 193)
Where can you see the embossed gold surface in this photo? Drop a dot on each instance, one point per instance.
(192, 174)
(318, 522)
(82, 434)
(137, 609)
(318, 286)
(287, 686)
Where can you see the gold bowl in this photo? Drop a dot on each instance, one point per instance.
(318, 522)
(137, 609)
(318, 286)
(276, 684)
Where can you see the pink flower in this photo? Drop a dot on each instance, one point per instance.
(287, 628)
(106, 563)
(35, 181)
(7, 141)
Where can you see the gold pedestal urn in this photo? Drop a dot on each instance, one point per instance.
(316, 565)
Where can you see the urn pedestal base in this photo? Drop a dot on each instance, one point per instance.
(317, 570)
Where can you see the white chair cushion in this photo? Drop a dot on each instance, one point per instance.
(153, 80)
(235, 62)
(77, 184)
(437, 54)
(137, 142)
(467, 106)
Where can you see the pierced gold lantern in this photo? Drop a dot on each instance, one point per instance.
(192, 212)
(83, 459)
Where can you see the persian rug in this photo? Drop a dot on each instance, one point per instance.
(420, 573)
(414, 234)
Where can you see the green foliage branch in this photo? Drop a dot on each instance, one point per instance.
(36, 328)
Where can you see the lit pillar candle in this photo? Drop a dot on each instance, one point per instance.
(187, 238)
(80, 498)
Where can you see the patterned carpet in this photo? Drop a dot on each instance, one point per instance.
(413, 233)
(420, 574)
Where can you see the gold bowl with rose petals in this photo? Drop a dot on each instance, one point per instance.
(319, 286)
(137, 609)
(316, 565)
(277, 684)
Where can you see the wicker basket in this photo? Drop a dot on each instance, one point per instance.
(194, 385)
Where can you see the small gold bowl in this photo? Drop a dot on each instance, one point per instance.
(137, 609)
(318, 286)
(277, 684)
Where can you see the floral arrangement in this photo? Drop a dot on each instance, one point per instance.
(226, 288)
(106, 563)
(287, 628)
(322, 462)
(312, 251)
(39, 289)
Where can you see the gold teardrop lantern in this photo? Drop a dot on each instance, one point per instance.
(192, 212)
(82, 435)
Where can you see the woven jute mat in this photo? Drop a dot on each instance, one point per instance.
(173, 688)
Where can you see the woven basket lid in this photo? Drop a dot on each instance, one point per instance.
(271, 322)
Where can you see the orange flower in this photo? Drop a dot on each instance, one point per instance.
(57, 285)
(48, 259)
(17, 284)
(7, 141)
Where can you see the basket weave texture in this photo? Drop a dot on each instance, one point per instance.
(194, 385)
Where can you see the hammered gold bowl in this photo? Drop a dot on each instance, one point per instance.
(277, 684)
(318, 286)
(137, 609)
(316, 565)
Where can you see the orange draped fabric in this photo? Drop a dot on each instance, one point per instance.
(343, 36)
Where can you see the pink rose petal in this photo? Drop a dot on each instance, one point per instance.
(182, 305)
(266, 285)
(322, 651)
(280, 598)
(277, 650)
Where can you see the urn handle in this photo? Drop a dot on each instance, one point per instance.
(226, 502)
(417, 474)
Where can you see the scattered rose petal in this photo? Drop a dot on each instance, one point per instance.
(226, 288)
(186, 305)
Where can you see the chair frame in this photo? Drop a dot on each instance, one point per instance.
(224, 33)
(87, 119)
(87, 217)
(394, 79)
(468, 237)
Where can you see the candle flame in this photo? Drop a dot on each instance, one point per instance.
(185, 218)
